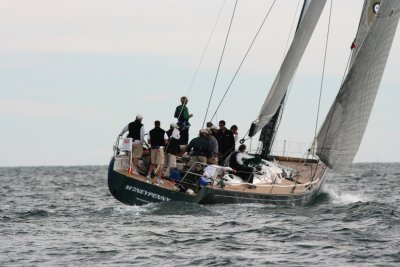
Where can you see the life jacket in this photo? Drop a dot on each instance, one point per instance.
(134, 129)
(157, 137)
(173, 145)
(226, 141)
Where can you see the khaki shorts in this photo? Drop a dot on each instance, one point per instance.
(137, 151)
(170, 161)
(157, 156)
(212, 160)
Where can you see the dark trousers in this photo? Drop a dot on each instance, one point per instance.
(184, 140)
(246, 173)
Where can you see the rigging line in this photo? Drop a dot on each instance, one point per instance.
(205, 48)
(219, 64)
(323, 71)
(241, 63)
(201, 60)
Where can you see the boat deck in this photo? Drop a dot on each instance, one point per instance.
(299, 184)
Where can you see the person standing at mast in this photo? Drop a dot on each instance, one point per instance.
(183, 116)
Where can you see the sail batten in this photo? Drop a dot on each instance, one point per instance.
(285, 75)
(341, 133)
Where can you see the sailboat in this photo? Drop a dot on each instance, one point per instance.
(278, 179)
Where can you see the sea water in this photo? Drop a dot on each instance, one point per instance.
(65, 216)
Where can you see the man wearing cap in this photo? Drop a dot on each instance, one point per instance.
(136, 132)
(199, 149)
(172, 147)
(157, 139)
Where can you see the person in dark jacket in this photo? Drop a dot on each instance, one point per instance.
(136, 132)
(234, 130)
(236, 163)
(172, 148)
(199, 149)
(226, 142)
(157, 139)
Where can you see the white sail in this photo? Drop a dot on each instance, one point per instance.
(289, 65)
(341, 134)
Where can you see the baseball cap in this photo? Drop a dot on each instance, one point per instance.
(174, 125)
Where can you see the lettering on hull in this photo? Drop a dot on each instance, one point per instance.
(146, 193)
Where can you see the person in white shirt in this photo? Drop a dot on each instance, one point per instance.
(236, 163)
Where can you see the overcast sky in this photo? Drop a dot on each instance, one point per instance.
(74, 73)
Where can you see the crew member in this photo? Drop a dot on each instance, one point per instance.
(183, 116)
(234, 130)
(236, 163)
(199, 149)
(157, 139)
(136, 132)
(226, 142)
(172, 147)
(213, 158)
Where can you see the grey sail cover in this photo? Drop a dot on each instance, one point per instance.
(341, 133)
(290, 63)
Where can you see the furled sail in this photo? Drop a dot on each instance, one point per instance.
(289, 65)
(340, 135)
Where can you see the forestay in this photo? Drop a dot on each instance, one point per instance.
(341, 133)
(289, 65)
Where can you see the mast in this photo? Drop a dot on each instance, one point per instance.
(268, 132)
(277, 93)
(342, 131)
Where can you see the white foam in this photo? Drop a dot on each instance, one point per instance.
(341, 197)
(137, 210)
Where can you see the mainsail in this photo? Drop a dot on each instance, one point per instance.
(341, 133)
(289, 65)
(268, 132)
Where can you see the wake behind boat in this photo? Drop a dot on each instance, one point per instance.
(278, 179)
